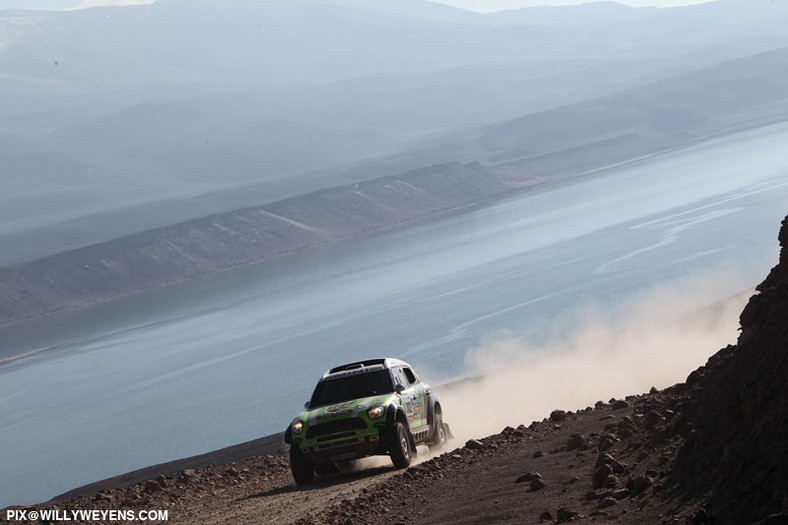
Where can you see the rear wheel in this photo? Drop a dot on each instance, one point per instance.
(303, 471)
(438, 435)
(399, 445)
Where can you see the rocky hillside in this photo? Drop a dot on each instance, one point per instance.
(737, 454)
(166, 255)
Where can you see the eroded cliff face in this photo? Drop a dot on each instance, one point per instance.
(737, 455)
(174, 253)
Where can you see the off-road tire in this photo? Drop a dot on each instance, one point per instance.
(303, 471)
(439, 437)
(326, 469)
(346, 466)
(399, 445)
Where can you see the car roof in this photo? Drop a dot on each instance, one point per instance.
(362, 367)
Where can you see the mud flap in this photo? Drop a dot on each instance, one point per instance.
(446, 428)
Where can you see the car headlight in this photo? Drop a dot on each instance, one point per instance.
(297, 427)
(376, 411)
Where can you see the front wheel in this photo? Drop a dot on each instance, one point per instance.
(303, 471)
(399, 445)
(326, 469)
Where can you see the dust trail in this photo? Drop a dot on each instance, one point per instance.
(654, 339)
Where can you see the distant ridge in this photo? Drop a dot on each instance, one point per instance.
(217, 242)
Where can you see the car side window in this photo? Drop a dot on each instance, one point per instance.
(398, 377)
(411, 377)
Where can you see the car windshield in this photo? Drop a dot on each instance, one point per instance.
(351, 387)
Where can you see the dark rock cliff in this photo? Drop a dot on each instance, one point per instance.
(736, 457)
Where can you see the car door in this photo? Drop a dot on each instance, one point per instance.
(409, 399)
(419, 397)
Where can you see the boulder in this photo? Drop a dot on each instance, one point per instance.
(537, 484)
(600, 475)
(530, 476)
(557, 416)
(607, 502)
(474, 444)
(577, 442)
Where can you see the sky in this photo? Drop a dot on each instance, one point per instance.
(474, 5)
(499, 5)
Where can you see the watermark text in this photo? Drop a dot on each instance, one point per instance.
(50, 515)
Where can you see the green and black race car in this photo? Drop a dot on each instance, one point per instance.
(373, 407)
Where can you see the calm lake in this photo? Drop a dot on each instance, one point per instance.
(231, 357)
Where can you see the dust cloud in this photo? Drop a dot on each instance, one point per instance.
(654, 339)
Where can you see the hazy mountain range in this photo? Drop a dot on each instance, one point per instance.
(119, 119)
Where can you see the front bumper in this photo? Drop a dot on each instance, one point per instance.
(341, 439)
(344, 449)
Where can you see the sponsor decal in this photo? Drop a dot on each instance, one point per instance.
(340, 407)
(335, 414)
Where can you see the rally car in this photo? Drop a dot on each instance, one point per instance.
(373, 407)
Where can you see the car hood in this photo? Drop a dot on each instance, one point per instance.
(352, 408)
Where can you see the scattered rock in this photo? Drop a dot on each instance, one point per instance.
(546, 516)
(620, 404)
(701, 517)
(640, 483)
(538, 454)
(565, 515)
(153, 486)
(607, 502)
(528, 477)
(606, 441)
(577, 442)
(653, 418)
(611, 481)
(474, 444)
(617, 466)
(600, 475)
(624, 433)
(557, 416)
(621, 494)
(597, 494)
(537, 484)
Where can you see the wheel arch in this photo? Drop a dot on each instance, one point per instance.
(432, 405)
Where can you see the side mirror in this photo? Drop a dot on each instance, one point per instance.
(399, 389)
(306, 405)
